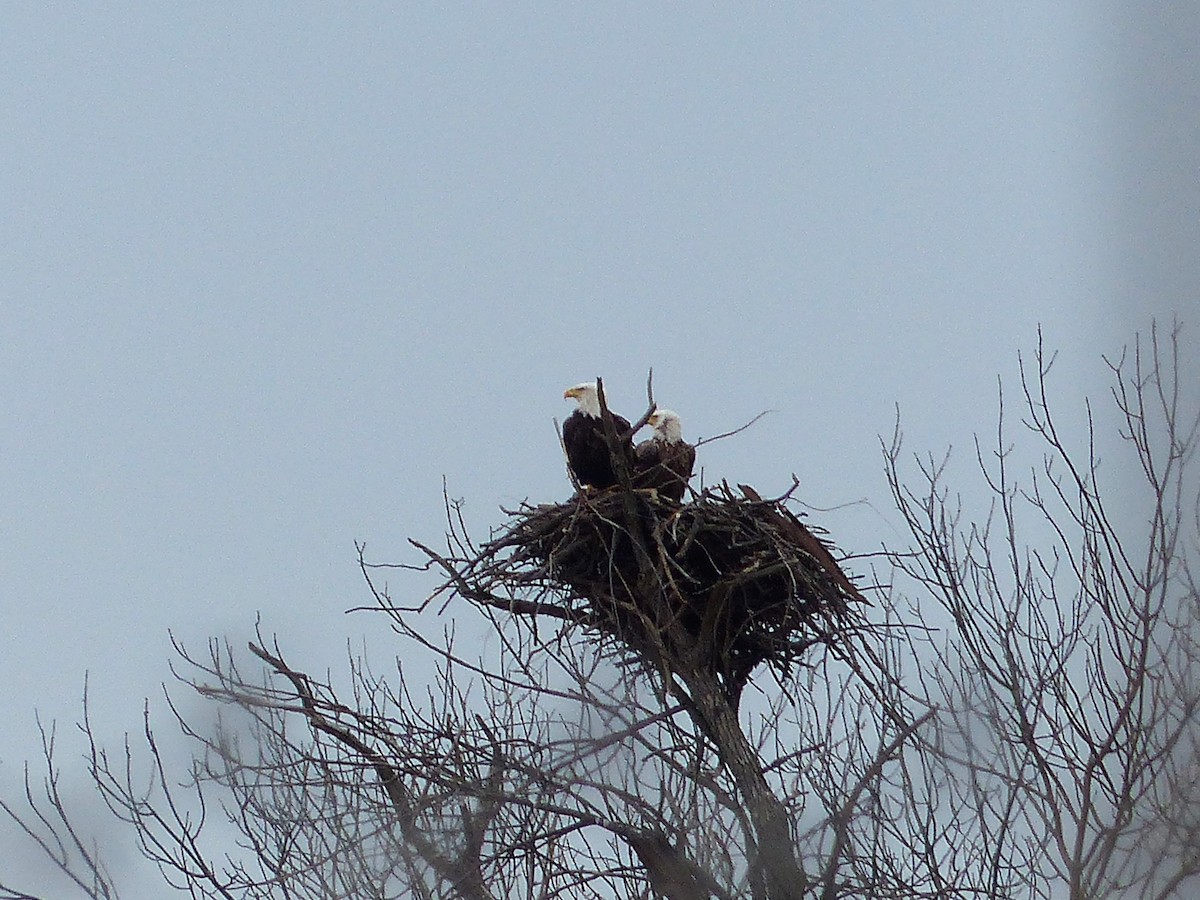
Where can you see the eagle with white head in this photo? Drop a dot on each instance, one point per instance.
(588, 456)
(665, 461)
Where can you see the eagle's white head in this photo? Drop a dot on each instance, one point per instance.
(586, 396)
(667, 425)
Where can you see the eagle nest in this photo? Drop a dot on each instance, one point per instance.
(725, 581)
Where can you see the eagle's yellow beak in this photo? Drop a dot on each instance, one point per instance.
(571, 393)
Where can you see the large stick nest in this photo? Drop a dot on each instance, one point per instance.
(724, 581)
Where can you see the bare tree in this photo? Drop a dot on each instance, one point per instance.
(1068, 681)
(637, 698)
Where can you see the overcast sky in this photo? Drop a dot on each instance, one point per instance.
(270, 272)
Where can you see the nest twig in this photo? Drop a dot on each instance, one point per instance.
(726, 581)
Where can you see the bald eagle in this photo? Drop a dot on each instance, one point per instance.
(665, 461)
(583, 438)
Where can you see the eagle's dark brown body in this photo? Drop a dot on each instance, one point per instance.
(665, 466)
(587, 451)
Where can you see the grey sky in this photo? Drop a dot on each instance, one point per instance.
(268, 273)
